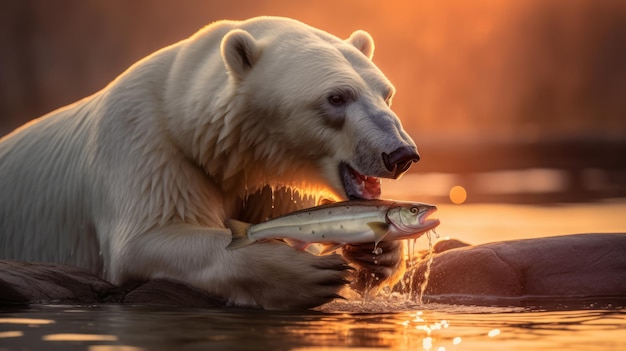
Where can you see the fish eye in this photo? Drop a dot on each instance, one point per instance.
(414, 210)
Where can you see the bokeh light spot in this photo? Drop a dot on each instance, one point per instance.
(493, 332)
(458, 194)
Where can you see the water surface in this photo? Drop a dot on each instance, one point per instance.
(430, 327)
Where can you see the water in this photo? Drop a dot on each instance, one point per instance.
(429, 257)
(390, 323)
(350, 325)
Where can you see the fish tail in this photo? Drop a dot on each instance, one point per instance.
(240, 234)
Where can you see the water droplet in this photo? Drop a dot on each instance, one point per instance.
(377, 251)
(493, 332)
(427, 343)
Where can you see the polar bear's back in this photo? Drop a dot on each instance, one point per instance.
(44, 193)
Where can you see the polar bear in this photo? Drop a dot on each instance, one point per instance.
(137, 180)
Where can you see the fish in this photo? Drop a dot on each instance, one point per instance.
(340, 223)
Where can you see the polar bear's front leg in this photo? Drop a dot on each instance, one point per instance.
(269, 275)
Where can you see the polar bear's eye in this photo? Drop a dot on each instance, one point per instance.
(337, 100)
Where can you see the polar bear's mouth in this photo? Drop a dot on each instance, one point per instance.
(357, 185)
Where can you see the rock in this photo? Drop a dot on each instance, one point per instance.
(24, 282)
(570, 266)
(28, 283)
(449, 244)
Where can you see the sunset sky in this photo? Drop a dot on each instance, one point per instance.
(464, 70)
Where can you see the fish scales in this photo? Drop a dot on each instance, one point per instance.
(348, 222)
(322, 221)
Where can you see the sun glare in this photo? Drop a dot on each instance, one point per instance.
(458, 195)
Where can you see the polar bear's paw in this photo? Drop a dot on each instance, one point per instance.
(279, 277)
(377, 265)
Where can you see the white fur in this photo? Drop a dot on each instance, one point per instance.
(137, 180)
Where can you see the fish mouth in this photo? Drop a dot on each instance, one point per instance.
(357, 185)
(423, 224)
(429, 223)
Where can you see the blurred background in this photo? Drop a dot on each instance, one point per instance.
(509, 101)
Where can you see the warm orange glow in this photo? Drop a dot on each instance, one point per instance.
(458, 194)
(79, 337)
(11, 334)
(115, 348)
(471, 69)
(28, 321)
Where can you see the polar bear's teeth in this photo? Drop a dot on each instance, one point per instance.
(360, 186)
(369, 181)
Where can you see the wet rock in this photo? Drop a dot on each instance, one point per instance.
(24, 282)
(29, 283)
(449, 244)
(569, 266)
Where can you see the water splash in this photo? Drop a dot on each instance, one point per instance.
(415, 257)
(430, 256)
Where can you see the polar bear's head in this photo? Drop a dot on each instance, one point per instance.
(317, 108)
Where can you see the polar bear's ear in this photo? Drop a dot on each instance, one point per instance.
(363, 41)
(240, 52)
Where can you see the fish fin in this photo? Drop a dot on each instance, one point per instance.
(319, 249)
(314, 249)
(240, 234)
(297, 244)
(380, 230)
(326, 249)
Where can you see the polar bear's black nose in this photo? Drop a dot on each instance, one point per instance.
(400, 160)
